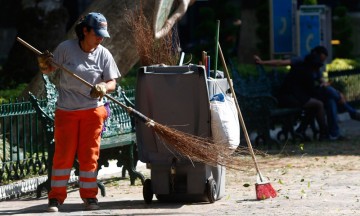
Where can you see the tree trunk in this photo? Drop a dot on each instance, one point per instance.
(120, 43)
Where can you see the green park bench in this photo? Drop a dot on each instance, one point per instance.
(256, 95)
(118, 141)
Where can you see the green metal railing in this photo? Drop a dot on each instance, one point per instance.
(23, 150)
(24, 145)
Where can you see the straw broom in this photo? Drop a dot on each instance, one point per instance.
(189, 146)
(263, 188)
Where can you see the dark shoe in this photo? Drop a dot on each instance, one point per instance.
(355, 116)
(91, 204)
(324, 136)
(53, 205)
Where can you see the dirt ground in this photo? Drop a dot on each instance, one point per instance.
(312, 178)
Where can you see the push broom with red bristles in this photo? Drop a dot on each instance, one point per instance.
(263, 188)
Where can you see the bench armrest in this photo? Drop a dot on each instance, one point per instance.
(45, 117)
(126, 99)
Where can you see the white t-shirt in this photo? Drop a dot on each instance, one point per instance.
(95, 67)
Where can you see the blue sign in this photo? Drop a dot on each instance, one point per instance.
(309, 28)
(283, 20)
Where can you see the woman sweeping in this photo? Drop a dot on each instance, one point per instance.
(80, 112)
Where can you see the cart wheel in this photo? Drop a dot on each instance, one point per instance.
(147, 191)
(160, 197)
(211, 190)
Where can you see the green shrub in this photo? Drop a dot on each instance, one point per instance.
(342, 30)
(7, 94)
(342, 64)
(310, 2)
(349, 85)
(130, 78)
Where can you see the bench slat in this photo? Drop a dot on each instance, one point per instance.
(116, 141)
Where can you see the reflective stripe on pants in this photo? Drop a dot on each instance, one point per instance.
(77, 133)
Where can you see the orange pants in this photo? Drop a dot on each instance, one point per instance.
(77, 133)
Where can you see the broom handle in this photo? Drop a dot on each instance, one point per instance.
(239, 111)
(216, 47)
(129, 109)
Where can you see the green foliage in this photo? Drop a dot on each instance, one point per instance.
(205, 32)
(342, 31)
(310, 2)
(128, 81)
(342, 64)
(349, 85)
(246, 70)
(339, 84)
(6, 95)
(44, 30)
(130, 78)
(263, 29)
(205, 29)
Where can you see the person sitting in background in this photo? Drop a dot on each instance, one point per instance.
(333, 100)
(331, 97)
(298, 91)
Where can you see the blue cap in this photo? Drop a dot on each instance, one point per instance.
(98, 22)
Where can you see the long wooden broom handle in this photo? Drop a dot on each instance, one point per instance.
(239, 111)
(129, 109)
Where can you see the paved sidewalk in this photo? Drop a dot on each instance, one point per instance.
(110, 204)
(326, 185)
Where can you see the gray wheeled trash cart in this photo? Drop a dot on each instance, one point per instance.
(178, 97)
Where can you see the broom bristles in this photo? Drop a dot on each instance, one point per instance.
(264, 191)
(201, 149)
